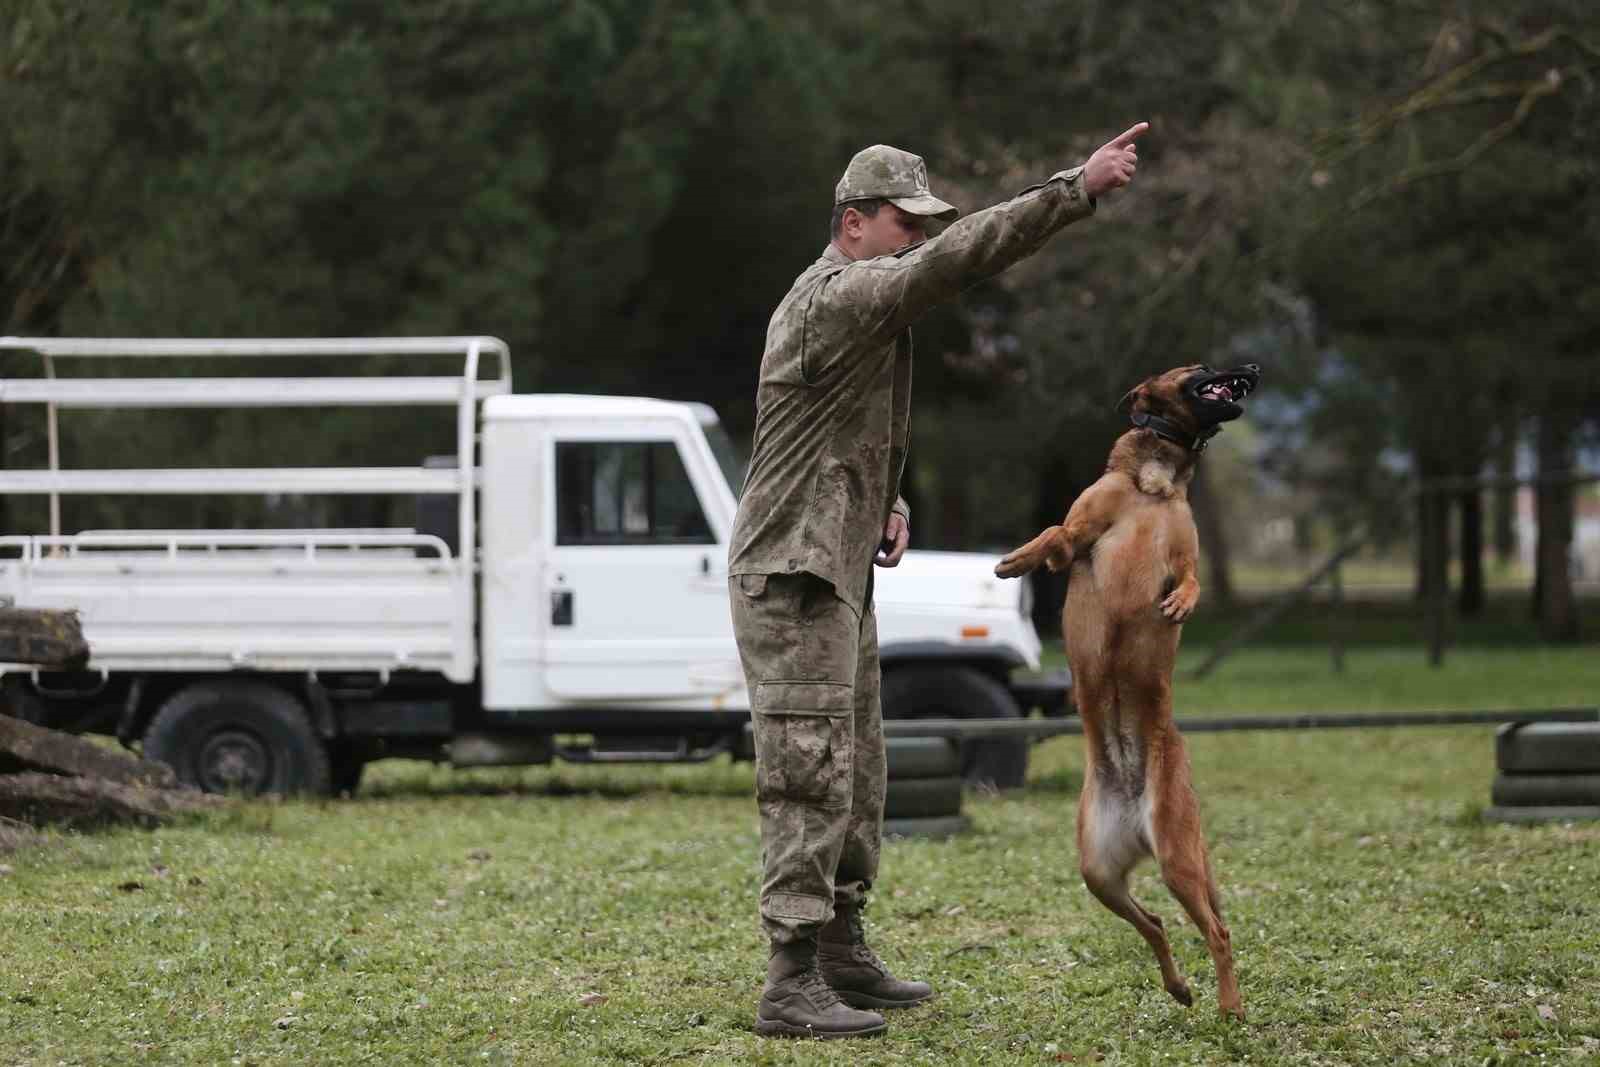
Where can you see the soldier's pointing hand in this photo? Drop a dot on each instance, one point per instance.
(1113, 163)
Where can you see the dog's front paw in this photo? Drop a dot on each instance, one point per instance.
(1179, 604)
(1014, 566)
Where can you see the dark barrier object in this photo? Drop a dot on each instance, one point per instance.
(920, 798)
(1547, 748)
(1542, 813)
(1191, 725)
(922, 757)
(924, 797)
(940, 693)
(1546, 790)
(938, 826)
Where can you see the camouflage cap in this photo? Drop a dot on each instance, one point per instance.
(886, 173)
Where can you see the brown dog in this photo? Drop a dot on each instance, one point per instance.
(1131, 547)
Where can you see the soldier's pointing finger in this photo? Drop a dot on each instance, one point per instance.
(1126, 138)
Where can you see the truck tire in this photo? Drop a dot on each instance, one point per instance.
(922, 757)
(1547, 747)
(932, 691)
(922, 798)
(239, 737)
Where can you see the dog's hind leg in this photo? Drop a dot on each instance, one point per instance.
(1181, 851)
(1108, 848)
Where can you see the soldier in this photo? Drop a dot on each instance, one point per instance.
(820, 508)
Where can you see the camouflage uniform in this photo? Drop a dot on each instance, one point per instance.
(832, 423)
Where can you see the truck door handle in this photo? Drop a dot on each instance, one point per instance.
(561, 607)
(705, 564)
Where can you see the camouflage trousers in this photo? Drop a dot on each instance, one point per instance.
(812, 668)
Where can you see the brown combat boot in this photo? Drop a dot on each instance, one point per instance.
(855, 971)
(796, 1002)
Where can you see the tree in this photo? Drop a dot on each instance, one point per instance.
(1465, 184)
(260, 169)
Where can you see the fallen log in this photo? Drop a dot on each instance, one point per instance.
(42, 638)
(26, 747)
(82, 803)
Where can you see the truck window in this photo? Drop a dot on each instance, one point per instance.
(626, 492)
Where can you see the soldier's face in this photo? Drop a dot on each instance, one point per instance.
(890, 230)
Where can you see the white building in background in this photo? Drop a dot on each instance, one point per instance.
(1585, 533)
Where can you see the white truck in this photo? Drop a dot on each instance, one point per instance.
(563, 593)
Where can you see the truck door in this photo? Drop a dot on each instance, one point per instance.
(636, 574)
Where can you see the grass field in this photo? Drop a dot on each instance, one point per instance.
(580, 915)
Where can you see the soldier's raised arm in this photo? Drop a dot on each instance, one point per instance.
(888, 292)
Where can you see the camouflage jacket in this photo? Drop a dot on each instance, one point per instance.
(833, 404)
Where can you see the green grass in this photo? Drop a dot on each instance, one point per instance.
(1388, 573)
(1494, 662)
(465, 917)
(1378, 620)
(1390, 679)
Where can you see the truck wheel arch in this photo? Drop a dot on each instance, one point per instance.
(148, 693)
(997, 662)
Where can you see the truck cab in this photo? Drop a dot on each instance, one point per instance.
(563, 595)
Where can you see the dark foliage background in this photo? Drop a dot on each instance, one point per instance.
(1393, 206)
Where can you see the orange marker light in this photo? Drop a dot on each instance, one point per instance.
(974, 631)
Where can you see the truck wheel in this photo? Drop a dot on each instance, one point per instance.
(239, 737)
(948, 692)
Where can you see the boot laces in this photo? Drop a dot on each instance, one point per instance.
(822, 995)
(865, 955)
(858, 940)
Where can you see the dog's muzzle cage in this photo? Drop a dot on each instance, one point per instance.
(1241, 382)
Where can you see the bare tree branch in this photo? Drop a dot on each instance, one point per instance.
(1545, 86)
(1447, 90)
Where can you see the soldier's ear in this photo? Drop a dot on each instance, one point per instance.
(853, 219)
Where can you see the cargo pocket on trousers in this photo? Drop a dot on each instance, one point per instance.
(804, 741)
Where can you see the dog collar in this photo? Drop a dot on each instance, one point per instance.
(1162, 428)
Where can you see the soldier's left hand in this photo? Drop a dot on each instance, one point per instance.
(1113, 163)
(896, 536)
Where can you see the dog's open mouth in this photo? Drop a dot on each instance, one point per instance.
(1225, 390)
